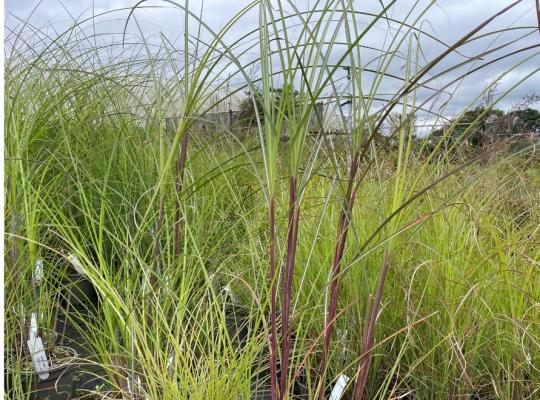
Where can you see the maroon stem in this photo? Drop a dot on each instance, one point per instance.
(273, 311)
(341, 239)
(287, 283)
(369, 333)
(180, 168)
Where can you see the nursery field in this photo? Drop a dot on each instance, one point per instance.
(268, 260)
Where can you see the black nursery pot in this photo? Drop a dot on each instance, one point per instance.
(79, 290)
(58, 385)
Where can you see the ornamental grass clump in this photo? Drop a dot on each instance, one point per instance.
(333, 253)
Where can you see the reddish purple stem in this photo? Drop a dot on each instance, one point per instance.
(341, 239)
(287, 284)
(273, 311)
(369, 333)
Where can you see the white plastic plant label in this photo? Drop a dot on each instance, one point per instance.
(39, 358)
(170, 361)
(38, 271)
(137, 381)
(32, 333)
(76, 264)
(339, 388)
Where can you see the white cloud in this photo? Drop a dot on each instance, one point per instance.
(448, 20)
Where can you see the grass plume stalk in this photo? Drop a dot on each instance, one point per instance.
(273, 363)
(341, 238)
(286, 109)
(369, 332)
(270, 136)
(287, 279)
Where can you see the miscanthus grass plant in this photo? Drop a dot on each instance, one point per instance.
(271, 264)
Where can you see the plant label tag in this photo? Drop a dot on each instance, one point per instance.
(32, 334)
(76, 264)
(38, 271)
(339, 388)
(170, 360)
(37, 352)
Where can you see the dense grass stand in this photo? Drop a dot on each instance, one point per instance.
(306, 200)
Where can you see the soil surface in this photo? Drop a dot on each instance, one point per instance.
(87, 376)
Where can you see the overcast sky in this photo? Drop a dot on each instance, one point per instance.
(447, 21)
